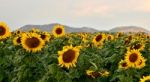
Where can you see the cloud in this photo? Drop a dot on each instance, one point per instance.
(110, 7)
(144, 5)
(131, 6)
(90, 8)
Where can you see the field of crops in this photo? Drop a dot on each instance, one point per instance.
(57, 56)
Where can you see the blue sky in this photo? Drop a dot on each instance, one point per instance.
(98, 14)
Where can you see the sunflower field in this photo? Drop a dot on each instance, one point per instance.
(57, 56)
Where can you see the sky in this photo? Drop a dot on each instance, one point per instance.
(98, 14)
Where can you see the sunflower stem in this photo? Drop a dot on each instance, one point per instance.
(94, 65)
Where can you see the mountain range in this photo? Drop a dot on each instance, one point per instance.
(49, 27)
(68, 29)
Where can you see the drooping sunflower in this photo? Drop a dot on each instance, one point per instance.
(93, 74)
(141, 64)
(45, 36)
(4, 31)
(98, 39)
(17, 40)
(145, 79)
(32, 42)
(58, 30)
(132, 57)
(68, 56)
(123, 65)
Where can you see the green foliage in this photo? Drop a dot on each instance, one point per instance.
(17, 65)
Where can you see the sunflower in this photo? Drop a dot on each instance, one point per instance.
(127, 41)
(34, 30)
(68, 56)
(4, 31)
(17, 40)
(148, 36)
(98, 39)
(93, 74)
(32, 42)
(84, 37)
(123, 65)
(141, 64)
(137, 46)
(104, 73)
(119, 34)
(58, 30)
(17, 32)
(45, 36)
(145, 79)
(132, 57)
(130, 37)
(110, 37)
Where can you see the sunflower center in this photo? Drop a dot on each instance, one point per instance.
(99, 37)
(133, 57)
(127, 41)
(124, 64)
(43, 36)
(18, 32)
(109, 37)
(18, 40)
(147, 80)
(130, 37)
(32, 42)
(2, 30)
(119, 35)
(95, 74)
(137, 46)
(69, 56)
(58, 30)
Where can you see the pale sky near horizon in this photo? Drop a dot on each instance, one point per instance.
(98, 14)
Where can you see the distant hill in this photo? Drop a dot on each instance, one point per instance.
(68, 29)
(129, 29)
(49, 28)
